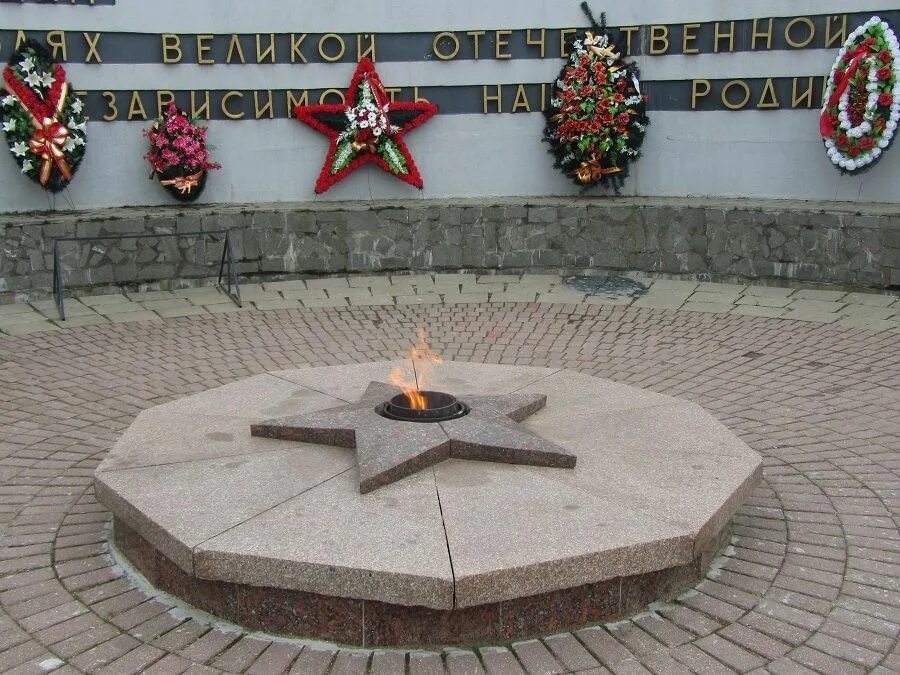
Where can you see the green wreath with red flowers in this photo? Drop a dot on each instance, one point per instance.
(597, 116)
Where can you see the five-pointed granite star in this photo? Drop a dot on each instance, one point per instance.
(367, 128)
(388, 450)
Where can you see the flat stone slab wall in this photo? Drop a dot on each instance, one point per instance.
(821, 242)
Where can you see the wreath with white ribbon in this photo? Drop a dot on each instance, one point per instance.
(42, 117)
(862, 100)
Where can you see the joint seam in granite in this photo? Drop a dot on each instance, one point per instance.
(196, 460)
(537, 381)
(274, 506)
(437, 491)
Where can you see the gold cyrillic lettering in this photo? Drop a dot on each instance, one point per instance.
(444, 56)
(328, 92)
(563, 35)
(57, 40)
(82, 95)
(267, 107)
(659, 40)
(21, 39)
(370, 50)
(768, 98)
(486, 99)
(835, 39)
(93, 50)
(689, 37)
(163, 99)
(789, 32)
(719, 36)
(171, 44)
(543, 96)
(235, 46)
(476, 41)
(542, 43)
(111, 104)
(521, 101)
(225, 111)
(500, 43)
(757, 33)
(292, 102)
(202, 48)
(269, 52)
(202, 111)
(136, 107)
(392, 92)
(743, 102)
(340, 43)
(628, 30)
(806, 98)
(417, 98)
(697, 93)
(295, 48)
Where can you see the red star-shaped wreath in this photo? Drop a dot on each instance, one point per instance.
(368, 128)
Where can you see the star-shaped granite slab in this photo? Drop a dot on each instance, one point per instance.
(388, 450)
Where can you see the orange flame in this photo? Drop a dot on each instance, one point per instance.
(411, 378)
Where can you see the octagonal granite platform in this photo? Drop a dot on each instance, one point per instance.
(275, 535)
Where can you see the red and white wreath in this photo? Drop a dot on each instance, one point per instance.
(862, 100)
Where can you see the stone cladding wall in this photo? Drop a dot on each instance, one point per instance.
(767, 241)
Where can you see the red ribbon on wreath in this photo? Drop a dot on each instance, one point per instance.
(50, 135)
(826, 122)
(48, 143)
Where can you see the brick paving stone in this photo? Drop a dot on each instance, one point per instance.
(536, 658)
(171, 664)
(570, 652)
(313, 661)
(277, 658)
(664, 664)
(824, 663)
(241, 655)
(730, 654)
(500, 661)
(135, 661)
(212, 643)
(388, 663)
(425, 663)
(104, 653)
(460, 662)
(350, 662)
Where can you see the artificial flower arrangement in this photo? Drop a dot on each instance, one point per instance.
(597, 116)
(368, 128)
(179, 154)
(862, 99)
(42, 117)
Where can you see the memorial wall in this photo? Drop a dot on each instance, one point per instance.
(733, 90)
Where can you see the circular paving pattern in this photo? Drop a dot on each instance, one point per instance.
(807, 584)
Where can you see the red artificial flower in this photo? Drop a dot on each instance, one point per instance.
(838, 75)
(886, 99)
(622, 119)
(884, 56)
(621, 84)
(842, 141)
(606, 119)
(853, 151)
(884, 73)
(619, 98)
(866, 142)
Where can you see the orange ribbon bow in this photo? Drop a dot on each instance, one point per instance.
(184, 184)
(48, 143)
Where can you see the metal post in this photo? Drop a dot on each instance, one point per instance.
(57, 282)
(232, 275)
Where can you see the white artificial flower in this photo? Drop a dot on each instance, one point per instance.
(27, 64)
(79, 140)
(891, 125)
(47, 79)
(376, 131)
(9, 100)
(19, 149)
(364, 124)
(851, 165)
(27, 166)
(69, 145)
(76, 126)
(9, 125)
(77, 105)
(33, 80)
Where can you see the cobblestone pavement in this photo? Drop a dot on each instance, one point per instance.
(872, 311)
(810, 582)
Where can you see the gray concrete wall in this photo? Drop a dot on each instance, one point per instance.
(771, 154)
